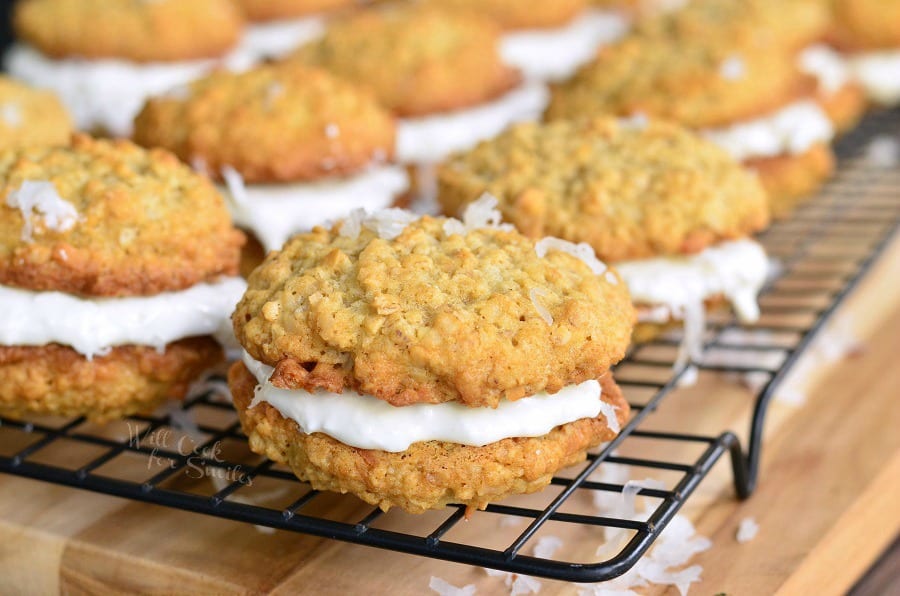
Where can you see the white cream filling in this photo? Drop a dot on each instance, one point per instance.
(879, 74)
(670, 285)
(93, 326)
(105, 94)
(275, 39)
(829, 68)
(555, 54)
(367, 422)
(791, 130)
(275, 212)
(429, 139)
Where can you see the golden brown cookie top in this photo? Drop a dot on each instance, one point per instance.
(31, 117)
(793, 24)
(630, 189)
(861, 25)
(417, 60)
(107, 218)
(697, 82)
(515, 14)
(432, 311)
(270, 10)
(273, 123)
(137, 30)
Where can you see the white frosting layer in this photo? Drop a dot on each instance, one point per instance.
(104, 94)
(879, 74)
(92, 326)
(828, 67)
(367, 422)
(555, 54)
(276, 39)
(735, 269)
(430, 139)
(791, 130)
(275, 212)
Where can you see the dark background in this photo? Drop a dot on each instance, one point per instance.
(5, 30)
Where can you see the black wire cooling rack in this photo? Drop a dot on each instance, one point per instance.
(197, 459)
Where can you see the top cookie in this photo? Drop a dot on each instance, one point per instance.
(107, 218)
(697, 82)
(274, 123)
(515, 14)
(270, 10)
(417, 60)
(136, 30)
(793, 24)
(431, 312)
(630, 189)
(31, 117)
(861, 25)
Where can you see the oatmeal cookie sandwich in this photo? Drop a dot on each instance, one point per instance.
(417, 363)
(105, 57)
(117, 268)
(669, 210)
(294, 145)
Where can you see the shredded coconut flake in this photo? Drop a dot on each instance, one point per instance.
(479, 214)
(235, 183)
(582, 251)
(536, 293)
(332, 131)
(11, 114)
(609, 412)
(546, 546)
(884, 152)
(747, 530)
(445, 588)
(637, 121)
(352, 225)
(518, 584)
(389, 223)
(37, 199)
(732, 68)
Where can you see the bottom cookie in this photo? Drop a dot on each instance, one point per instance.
(789, 180)
(430, 474)
(56, 380)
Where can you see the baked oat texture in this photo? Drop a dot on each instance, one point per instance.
(56, 380)
(270, 10)
(515, 14)
(790, 180)
(430, 474)
(418, 60)
(31, 117)
(429, 317)
(631, 189)
(146, 223)
(140, 31)
(690, 81)
(272, 124)
(866, 25)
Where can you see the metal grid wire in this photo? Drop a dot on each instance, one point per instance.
(198, 460)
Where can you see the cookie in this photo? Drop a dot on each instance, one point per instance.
(429, 474)
(408, 320)
(271, 10)
(31, 117)
(417, 60)
(788, 179)
(156, 31)
(58, 381)
(510, 14)
(865, 25)
(629, 188)
(108, 218)
(271, 124)
(699, 83)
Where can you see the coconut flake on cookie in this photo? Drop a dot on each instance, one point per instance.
(39, 201)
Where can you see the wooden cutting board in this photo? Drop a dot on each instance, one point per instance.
(828, 504)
